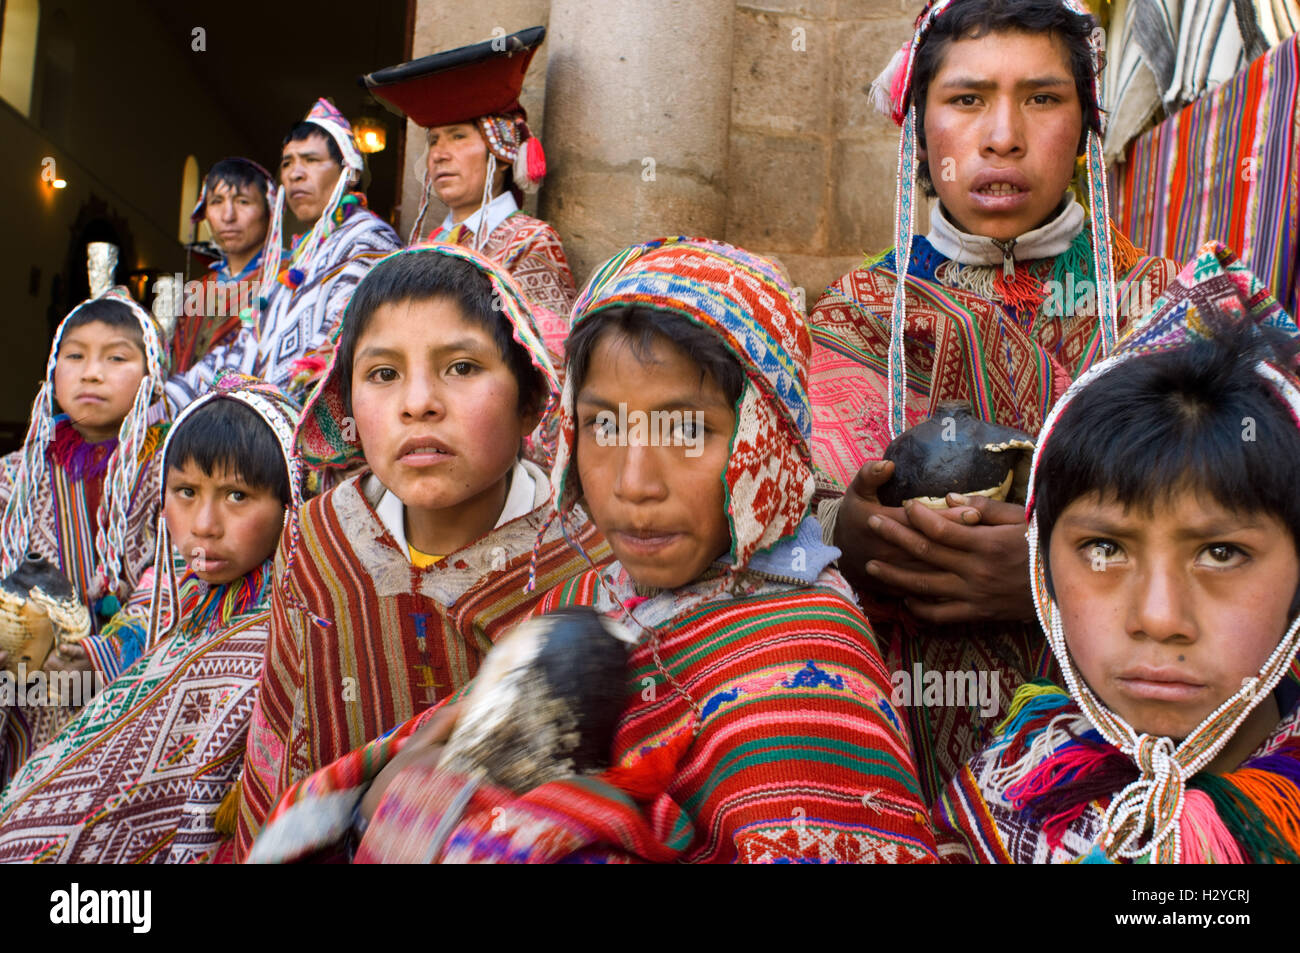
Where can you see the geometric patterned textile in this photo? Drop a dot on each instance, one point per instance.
(138, 775)
(1227, 169)
(531, 251)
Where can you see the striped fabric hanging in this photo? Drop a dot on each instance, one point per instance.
(1224, 169)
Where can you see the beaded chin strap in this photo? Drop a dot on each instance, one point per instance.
(1156, 799)
(891, 93)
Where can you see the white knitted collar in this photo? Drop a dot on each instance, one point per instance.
(1046, 241)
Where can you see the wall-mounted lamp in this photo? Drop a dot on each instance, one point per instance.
(370, 133)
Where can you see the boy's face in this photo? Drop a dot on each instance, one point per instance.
(1003, 123)
(237, 217)
(96, 375)
(437, 409)
(1166, 613)
(457, 164)
(653, 484)
(308, 175)
(223, 527)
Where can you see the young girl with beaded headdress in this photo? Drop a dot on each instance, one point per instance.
(1165, 558)
(1019, 285)
(757, 724)
(153, 756)
(83, 490)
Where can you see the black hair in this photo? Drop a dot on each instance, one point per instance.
(227, 434)
(305, 130)
(641, 326)
(1197, 417)
(424, 277)
(240, 174)
(977, 19)
(115, 314)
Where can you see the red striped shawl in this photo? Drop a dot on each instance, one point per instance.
(379, 641)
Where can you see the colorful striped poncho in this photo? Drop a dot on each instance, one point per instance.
(1038, 793)
(139, 774)
(800, 757)
(531, 251)
(1008, 363)
(361, 640)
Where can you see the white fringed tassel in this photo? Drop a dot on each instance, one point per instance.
(270, 260)
(480, 235)
(902, 257)
(881, 92)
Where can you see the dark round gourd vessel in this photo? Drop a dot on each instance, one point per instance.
(955, 452)
(37, 571)
(545, 703)
(27, 634)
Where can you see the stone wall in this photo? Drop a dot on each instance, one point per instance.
(746, 120)
(812, 166)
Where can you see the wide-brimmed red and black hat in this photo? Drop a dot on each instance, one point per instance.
(460, 85)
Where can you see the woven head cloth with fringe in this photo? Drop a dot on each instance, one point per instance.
(747, 303)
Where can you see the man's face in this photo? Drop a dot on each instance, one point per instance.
(237, 218)
(308, 175)
(458, 164)
(1003, 124)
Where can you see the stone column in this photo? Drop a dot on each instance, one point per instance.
(638, 106)
(443, 26)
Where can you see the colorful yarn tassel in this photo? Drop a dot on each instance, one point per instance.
(1205, 838)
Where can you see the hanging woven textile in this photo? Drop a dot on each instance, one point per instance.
(1223, 169)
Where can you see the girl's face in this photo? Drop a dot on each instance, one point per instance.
(1166, 613)
(437, 413)
(96, 376)
(653, 441)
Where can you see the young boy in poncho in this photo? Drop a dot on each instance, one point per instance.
(1163, 542)
(83, 492)
(153, 756)
(394, 584)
